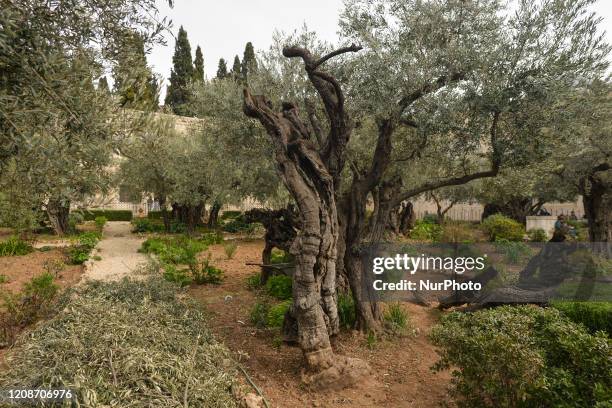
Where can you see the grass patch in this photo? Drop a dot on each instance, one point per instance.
(174, 250)
(279, 287)
(14, 246)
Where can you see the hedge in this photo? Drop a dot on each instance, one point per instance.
(154, 215)
(594, 315)
(111, 215)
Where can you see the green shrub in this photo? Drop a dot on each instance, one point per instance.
(179, 276)
(78, 254)
(523, 356)
(111, 215)
(513, 251)
(346, 310)
(14, 246)
(212, 238)
(204, 273)
(537, 235)
(594, 315)
(276, 314)
(279, 286)
(254, 281)
(142, 225)
(259, 315)
(425, 230)
(89, 239)
(75, 218)
(178, 227)
(430, 219)
(498, 226)
(3, 278)
(230, 249)
(226, 215)
(396, 318)
(175, 250)
(154, 215)
(100, 222)
(238, 225)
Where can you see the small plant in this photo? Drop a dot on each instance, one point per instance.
(54, 266)
(230, 249)
(254, 281)
(212, 238)
(396, 318)
(97, 258)
(100, 222)
(78, 255)
(278, 256)
(259, 315)
(426, 231)
(89, 239)
(204, 273)
(142, 225)
(276, 314)
(498, 226)
(537, 235)
(346, 310)
(280, 287)
(173, 274)
(371, 339)
(14, 246)
(3, 279)
(513, 251)
(175, 250)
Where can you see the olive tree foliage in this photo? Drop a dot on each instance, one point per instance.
(584, 163)
(56, 131)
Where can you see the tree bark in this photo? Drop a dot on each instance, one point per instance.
(213, 217)
(58, 212)
(597, 200)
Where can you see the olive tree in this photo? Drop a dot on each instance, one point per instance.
(426, 83)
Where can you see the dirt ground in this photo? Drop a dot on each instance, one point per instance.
(21, 269)
(401, 366)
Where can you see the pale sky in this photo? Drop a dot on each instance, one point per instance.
(223, 27)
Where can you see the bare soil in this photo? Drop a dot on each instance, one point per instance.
(401, 365)
(21, 269)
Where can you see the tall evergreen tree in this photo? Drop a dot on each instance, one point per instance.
(180, 75)
(249, 62)
(222, 69)
(236, 68)
(135, 83)
(103, 85)
(198, 65)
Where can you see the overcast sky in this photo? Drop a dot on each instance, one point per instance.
(223, 27)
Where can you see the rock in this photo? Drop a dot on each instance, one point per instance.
(252, 401)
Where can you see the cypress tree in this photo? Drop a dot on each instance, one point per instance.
(222, 69)
(135, 83)
(180, 75)
(103, 85)
(249, 62)
(236, 68)
(198, 66)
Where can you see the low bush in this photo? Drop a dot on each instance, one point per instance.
(238, 225)
(498, 226)
(279, 286)
(174, 250)
(425, 230)
(111, 215)
(204, 273)
(594, 315)
(259, 315)
(179, 276)
(226, 215)
(79, 253)
(230, 249)
(346, 310)
(537, 235)
(276, 314)
(154, 215)
(100, 222)
(212, 238)
(142, 225)
(14, 246)
(523, 356)
(396, 319)
(513, 252)
(254, 281)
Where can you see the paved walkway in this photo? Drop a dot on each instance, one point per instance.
(119, 251)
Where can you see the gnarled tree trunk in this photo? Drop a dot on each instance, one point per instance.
(58, 212)
(596, 190)
(213, 217)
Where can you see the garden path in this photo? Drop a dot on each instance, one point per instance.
(119, 254)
